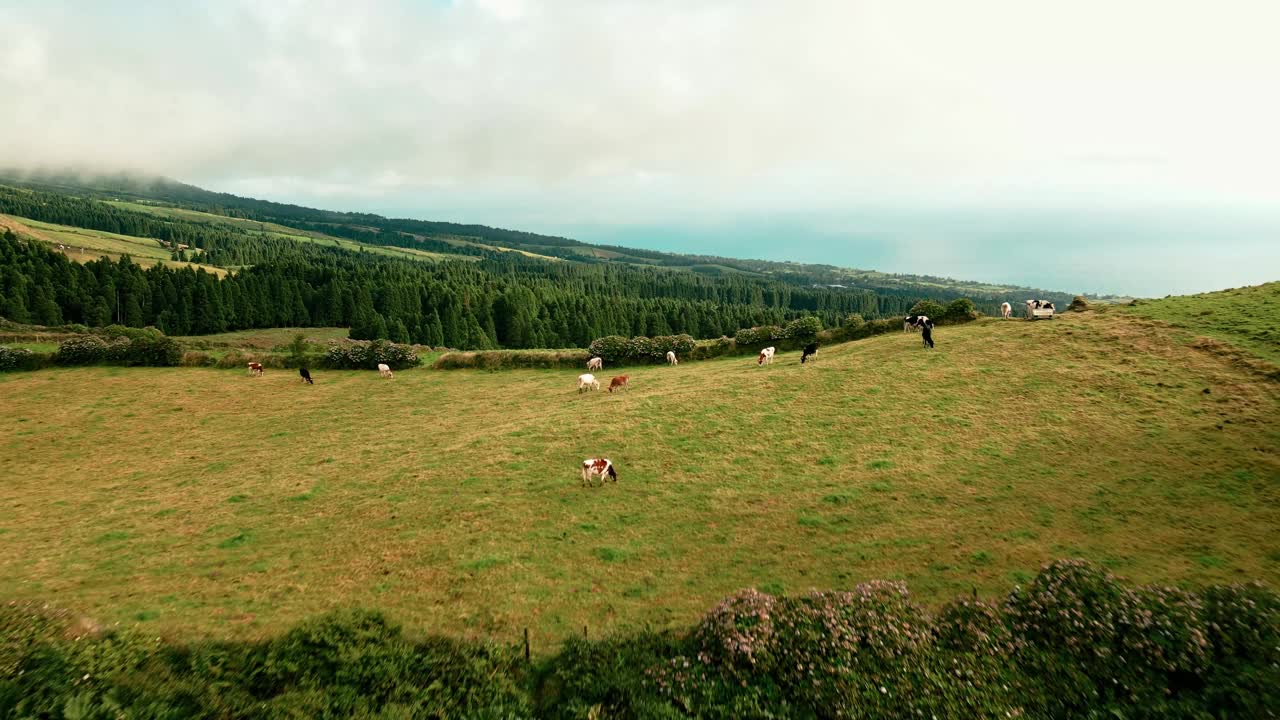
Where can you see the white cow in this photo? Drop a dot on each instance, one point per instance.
(595, 363)
(766, 357)
(671, 358)
(1006, 310)
(587, 381)
(385, 370)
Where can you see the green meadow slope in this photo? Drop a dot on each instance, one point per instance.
(1247, 317)
(207, 503)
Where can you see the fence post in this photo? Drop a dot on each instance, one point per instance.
(526, 644)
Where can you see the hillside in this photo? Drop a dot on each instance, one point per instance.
(160, 195)
(210, 503)
(1247, 317)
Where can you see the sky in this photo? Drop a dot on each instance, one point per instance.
(1127, 146)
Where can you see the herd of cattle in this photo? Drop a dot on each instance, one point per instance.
(603, 467)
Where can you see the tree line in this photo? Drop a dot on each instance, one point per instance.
(498, 299)
(497, 302)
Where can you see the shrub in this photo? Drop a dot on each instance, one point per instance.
(707, 349)
(617, 350)
(81, 350)
(147, 347)
(802, 330)
(1242, 625)
(367, 355)
(152, 350)
(930, 308)
(853, 323)
(960, 310)
(22, 359)
(1078, 304)
(753, 339)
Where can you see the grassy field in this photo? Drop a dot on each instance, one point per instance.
(84, 245)
(204, 502)
(1247, 317)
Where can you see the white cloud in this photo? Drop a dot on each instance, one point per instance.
(625, 109)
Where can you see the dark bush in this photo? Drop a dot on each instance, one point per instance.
(1243, 628)
(153, 350)
(930, 308)
(960, 310)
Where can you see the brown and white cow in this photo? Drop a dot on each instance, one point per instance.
(619, 383)
(255, 369)
(766, 357)
(385, 370)
(595, 363)
(597, 467)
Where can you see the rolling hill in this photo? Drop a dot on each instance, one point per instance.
(214, 504)
(175, 199)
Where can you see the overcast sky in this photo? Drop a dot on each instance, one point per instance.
(607, 117)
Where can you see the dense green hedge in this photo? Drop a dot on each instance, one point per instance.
(1073, 643)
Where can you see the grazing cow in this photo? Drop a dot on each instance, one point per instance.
(1006, 310)
(385, 370)
(306, 376)
(914, 322)
(255, 369)
(619, 383)
(809, 349)
(592, 467)
(671, 358)
(587, 381)
(766, 357)
(595, 363)
(926, 335)
(1038, 305)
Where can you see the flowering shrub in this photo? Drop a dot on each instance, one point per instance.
(145, 347)
(20, 359)
(866, 653)
(761, 336)
(616, 349)
(367, 355)
(740, 631)
(82, 350)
